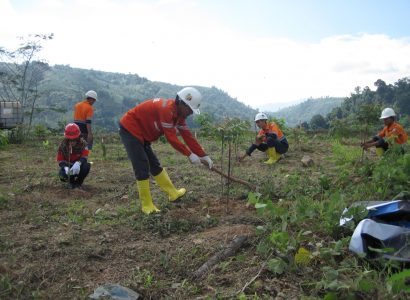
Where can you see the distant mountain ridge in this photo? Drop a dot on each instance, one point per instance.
(63, 86)
(274, 107)
(304, 111)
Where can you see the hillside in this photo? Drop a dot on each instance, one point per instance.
(63, 86)
(304, 111)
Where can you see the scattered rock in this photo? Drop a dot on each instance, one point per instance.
(307, 161)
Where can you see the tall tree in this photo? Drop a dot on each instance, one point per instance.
(21, 74)
(318, 122)
(402, 95)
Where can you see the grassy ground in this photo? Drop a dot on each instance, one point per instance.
(57, 243)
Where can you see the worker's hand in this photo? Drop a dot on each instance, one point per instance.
(66, 170)
(75, 169)
(207, 161)
(259, 139)
(195, 159)
(365, 145)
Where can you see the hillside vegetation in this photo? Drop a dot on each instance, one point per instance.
(63, 86)
(303, 112)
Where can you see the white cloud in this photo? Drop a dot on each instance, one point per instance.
(173, 41)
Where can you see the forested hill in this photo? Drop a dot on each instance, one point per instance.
(304, 111)
(63, 86)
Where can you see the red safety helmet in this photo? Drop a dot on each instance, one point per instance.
(72, 131)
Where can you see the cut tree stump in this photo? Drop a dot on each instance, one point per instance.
(230, 250)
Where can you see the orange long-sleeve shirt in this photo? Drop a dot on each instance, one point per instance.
(271, 127)
(156, 117)
(396, 130)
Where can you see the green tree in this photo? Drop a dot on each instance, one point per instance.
(21, 74)
(402, 95)
(318, 122)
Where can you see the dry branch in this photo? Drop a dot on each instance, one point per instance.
(230, 250)
(237, 180)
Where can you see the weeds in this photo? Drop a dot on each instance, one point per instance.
(297, 234)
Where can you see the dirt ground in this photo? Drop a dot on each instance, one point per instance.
(58, 243)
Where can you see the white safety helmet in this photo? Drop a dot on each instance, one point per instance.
(191, 97)
(261, 116)
(91, 94)
(387, 113)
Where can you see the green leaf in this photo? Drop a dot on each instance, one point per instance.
(367, 285)
(277, 265)
(399, 282)
(260, 205)
(330, 296)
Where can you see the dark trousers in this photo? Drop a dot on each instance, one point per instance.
(143, 159)
(381, 143)
(84, 134)
(281, 147)
(75, 179)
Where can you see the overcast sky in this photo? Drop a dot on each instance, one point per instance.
(257, 51)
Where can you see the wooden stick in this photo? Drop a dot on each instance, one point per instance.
(230, 250)
(237, 180)
(256, 276)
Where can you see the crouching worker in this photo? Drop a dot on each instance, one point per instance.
(72, 157)
(144, 124)
(392, 132)
(270, 139)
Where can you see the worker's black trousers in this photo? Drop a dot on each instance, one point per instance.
(143, 159)
(281, 147)
(75, 180)
(84, 134)
(381, 143)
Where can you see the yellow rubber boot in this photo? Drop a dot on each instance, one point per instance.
(144, 191)
(379, 151)
(166, 185)
(273, 156)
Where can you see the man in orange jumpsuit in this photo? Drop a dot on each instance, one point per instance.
(392, 132)
(144, 124)
(270, 139)
(83, 114)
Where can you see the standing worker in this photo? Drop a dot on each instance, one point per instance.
(392, 132)
(270, 139)
(144, 124)
(72, 157)
(83, 114)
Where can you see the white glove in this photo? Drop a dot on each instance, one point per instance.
(194, 159)
(66, 169)
(75, 169)
(207, 160)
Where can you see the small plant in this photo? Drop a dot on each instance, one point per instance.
(77, 212)
(4, 139)
(144, 277)
(104, 149)
(40, 131)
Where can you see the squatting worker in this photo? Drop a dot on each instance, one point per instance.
(270, 139)
(83, 114)
(144, 124)
(72, 157)
(392, 132)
